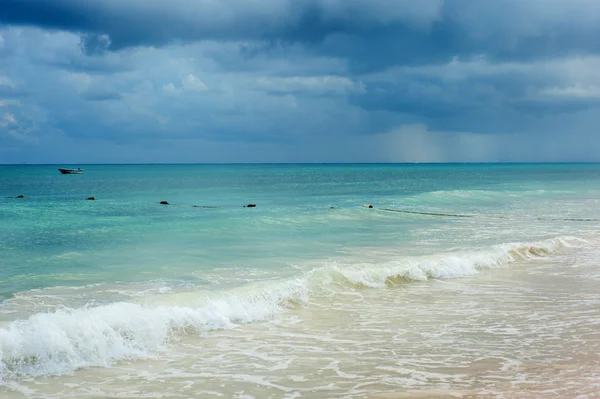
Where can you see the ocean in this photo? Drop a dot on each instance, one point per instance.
(461, 280)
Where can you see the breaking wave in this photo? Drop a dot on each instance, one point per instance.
(68, 339)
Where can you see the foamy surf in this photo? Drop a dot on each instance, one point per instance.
(443, 266)
(67, 339)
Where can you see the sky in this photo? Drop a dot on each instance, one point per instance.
(153, 81)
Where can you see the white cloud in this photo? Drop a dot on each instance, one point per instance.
(81, 80)
(14, 130)
(575, 91)
(192, 83)
(5, 81)
(169, 88)
(6, 103)
(189, 83)
(9, 119)
(581, 68)
(326, 83)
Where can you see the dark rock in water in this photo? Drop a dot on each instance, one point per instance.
(332, 207)
(91, 199)
(251, 206)
(20, 196)
(164, 203)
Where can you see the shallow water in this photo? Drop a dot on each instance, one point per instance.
(307, 295)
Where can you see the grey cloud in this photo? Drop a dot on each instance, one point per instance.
(56, 50)
(299, 81)
(154, 22)
(558, 106)
(478, 95)
(91, 65)
(371, 33)
(94, 43)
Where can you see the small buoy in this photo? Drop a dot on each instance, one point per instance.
(91, 199)
(164, 203)
(368, 206)
(251, 206)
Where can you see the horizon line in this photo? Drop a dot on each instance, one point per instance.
(299, 163)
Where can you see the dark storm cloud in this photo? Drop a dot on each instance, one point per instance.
(370, 33)
(116, 24)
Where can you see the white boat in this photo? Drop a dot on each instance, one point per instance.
(65, 171)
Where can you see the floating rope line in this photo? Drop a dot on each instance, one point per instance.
(570, 219)
(428, 213)
(456, 215)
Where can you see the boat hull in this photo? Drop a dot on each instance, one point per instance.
(70, 171)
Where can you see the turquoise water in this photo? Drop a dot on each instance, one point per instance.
(54, 237)
(125, 253)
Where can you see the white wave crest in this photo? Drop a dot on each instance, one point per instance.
(68, 339)
(443, 266)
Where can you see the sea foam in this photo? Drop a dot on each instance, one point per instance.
(68, 339)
